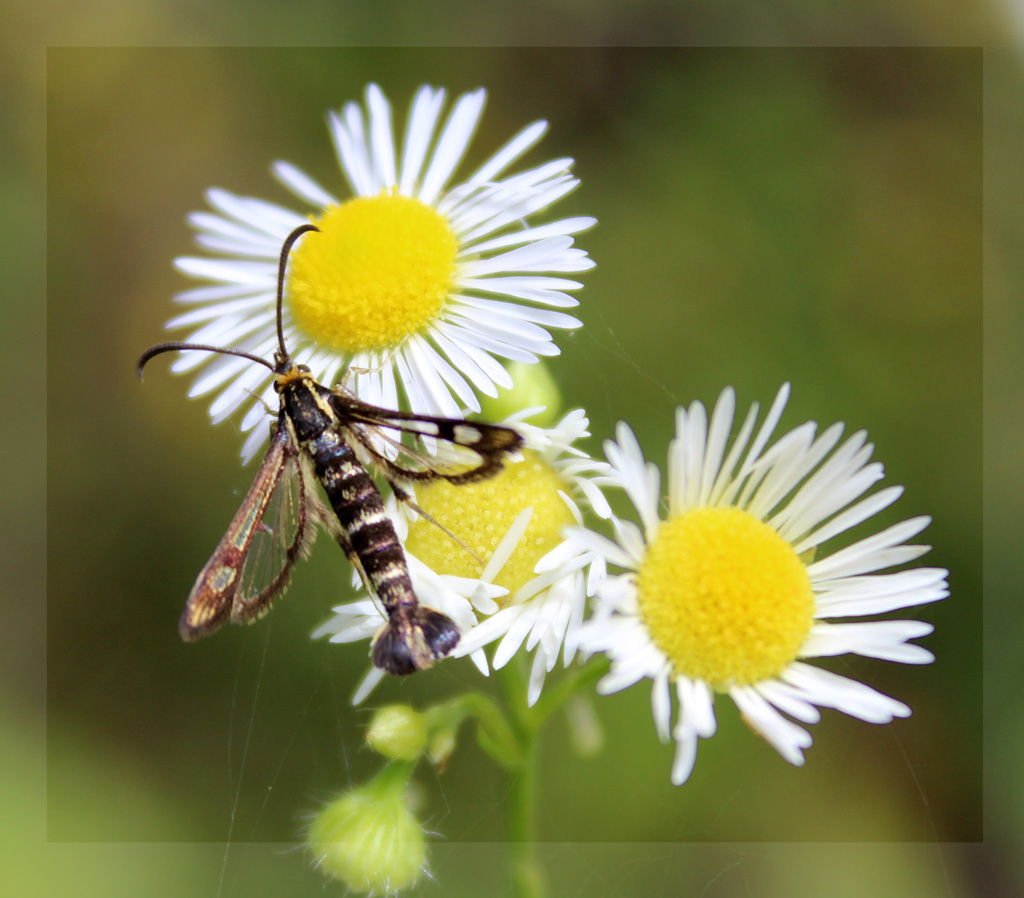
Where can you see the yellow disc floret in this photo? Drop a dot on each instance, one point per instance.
(380, 268)
(480, 514)
(724, 597)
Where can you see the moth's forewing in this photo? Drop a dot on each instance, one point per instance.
(219, 583)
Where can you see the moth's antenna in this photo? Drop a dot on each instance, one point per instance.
(168, 347)
(292, 237)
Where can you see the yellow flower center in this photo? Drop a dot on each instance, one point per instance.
(380, 268)
(724, 597)
(480, 514)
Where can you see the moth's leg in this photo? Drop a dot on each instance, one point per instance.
(390, 471)
(270, 411)
(349, 370)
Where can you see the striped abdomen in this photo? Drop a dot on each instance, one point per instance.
(360, 509)
(413, 637)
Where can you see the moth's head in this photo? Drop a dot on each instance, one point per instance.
(286, 372)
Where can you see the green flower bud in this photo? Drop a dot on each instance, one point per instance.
(368, 838)
(533, 386)
(398, 732)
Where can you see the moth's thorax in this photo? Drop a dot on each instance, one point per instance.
(305, 403)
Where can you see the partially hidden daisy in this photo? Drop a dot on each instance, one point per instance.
(724, 594)
(511, 578)
(416, 284)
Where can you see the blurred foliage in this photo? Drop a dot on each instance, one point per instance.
(765, 215)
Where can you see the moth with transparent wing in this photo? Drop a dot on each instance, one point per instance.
(329, 435)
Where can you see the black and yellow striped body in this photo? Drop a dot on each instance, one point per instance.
(414, 636)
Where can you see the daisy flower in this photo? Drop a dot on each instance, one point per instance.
(724, 594)
(417, 284)
(530, 588)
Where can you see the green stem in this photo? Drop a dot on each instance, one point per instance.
(521, 805)
(495, 734)
(512, 741)
(521, 817)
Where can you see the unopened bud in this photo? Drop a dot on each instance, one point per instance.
(533, 386)
(369, 839)
(398, 732)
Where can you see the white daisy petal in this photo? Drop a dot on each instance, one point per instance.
(486, 632)
(452, 144)
(428, 357)
(270, 218)
(631, 538)
(254, 274)
(480, 660)
(423, 117)
(718, 437)
(507, 545)
(465, 363)
(506, 209)
(785, 737)
(510, 311)
(622, 677)
(661, 704)
(485, 340)
(206, 313)
(425, 373)
(537, 671)
(373, 676)
(830, 690)
(877, 594)
(381, 141)
(351, 150)
(724, 481)
(504, 325)
(872, 553)
(561, 228)
(532, 288)
(269, 246)
(219, 292)
(875, 639)
(602, 544)
(788, 700)
(537, 256)
(257, 437)
(765, 432)
(696, 709)
(509, 153)
(850, 518)
(685, 758)
(514, 637)
(303, 186)
(784, 477)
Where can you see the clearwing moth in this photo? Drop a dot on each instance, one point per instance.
(326, 434)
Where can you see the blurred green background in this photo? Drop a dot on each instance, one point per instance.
(764, 215)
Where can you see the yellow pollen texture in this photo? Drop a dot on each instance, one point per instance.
(380, 269)
(724, 597)
(480, 514)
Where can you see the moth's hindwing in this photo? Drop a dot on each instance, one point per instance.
(252, 563)
(460, 451)
(283, 536)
